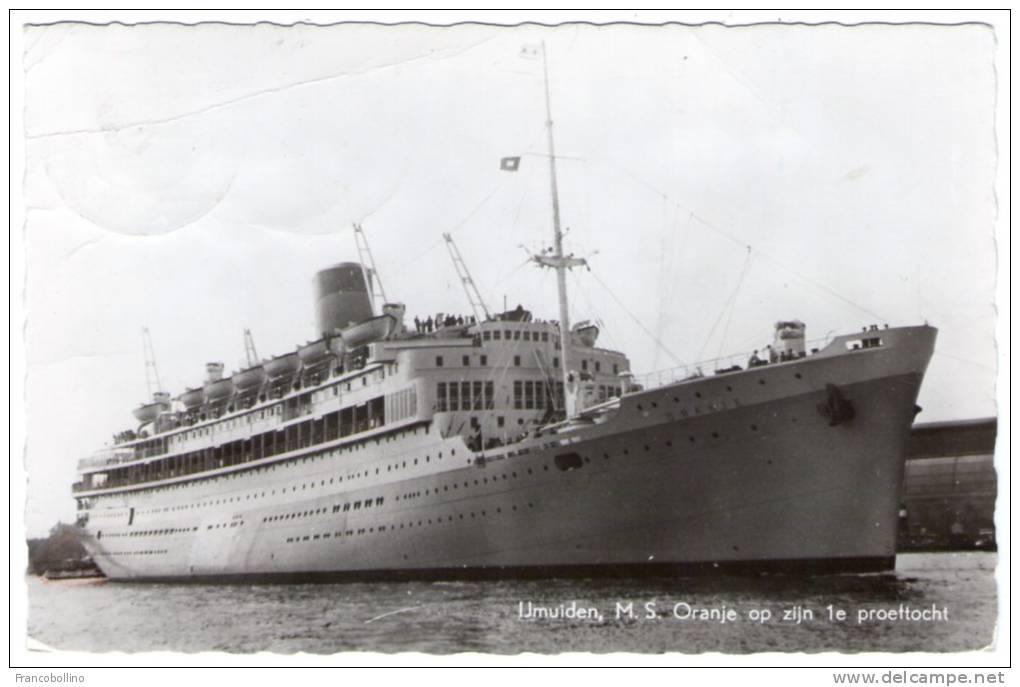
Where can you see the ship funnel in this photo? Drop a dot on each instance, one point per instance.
(213, 372)
(341, 297)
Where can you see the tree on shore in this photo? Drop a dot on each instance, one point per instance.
(62, 549)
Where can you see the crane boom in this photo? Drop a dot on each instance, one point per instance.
(249, 349)
(474, 297)
(152, 383)
(373, 283)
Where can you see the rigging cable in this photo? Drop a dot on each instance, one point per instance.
(636, 320)
(733, 300)
(726, 305)
(807, 280)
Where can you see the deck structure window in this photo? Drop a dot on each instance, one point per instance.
(529, 395)
(466, 360)
(517, 361)
(439, 361)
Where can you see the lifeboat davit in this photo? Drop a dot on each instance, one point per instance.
(375, 329)
(249, 379)
(282, 365)
(219, 389)
(192, 398)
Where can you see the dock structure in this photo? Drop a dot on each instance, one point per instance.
(950, 487)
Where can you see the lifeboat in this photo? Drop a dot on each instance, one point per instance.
(148, 412)
(219, 389)
(192, 398)
(249, 379)
(317, 352)
(587, 332)
(366, 332)
(282, 365)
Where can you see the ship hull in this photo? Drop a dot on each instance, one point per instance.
(740, 472)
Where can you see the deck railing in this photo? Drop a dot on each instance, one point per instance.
(722, 365)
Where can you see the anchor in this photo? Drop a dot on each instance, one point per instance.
(836, 408)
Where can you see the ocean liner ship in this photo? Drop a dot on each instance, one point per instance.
(499, 445)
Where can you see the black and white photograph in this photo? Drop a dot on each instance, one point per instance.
(678, 335)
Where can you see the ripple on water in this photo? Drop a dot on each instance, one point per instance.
(447, 617)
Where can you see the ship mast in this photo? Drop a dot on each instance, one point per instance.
(557, 260)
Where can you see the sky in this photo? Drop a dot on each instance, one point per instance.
(192, 179)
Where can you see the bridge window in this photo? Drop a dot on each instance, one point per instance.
(441, 397)
(439, 361)
(517, 361)
(466, 361)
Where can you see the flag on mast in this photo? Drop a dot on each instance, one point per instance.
(510, 164)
